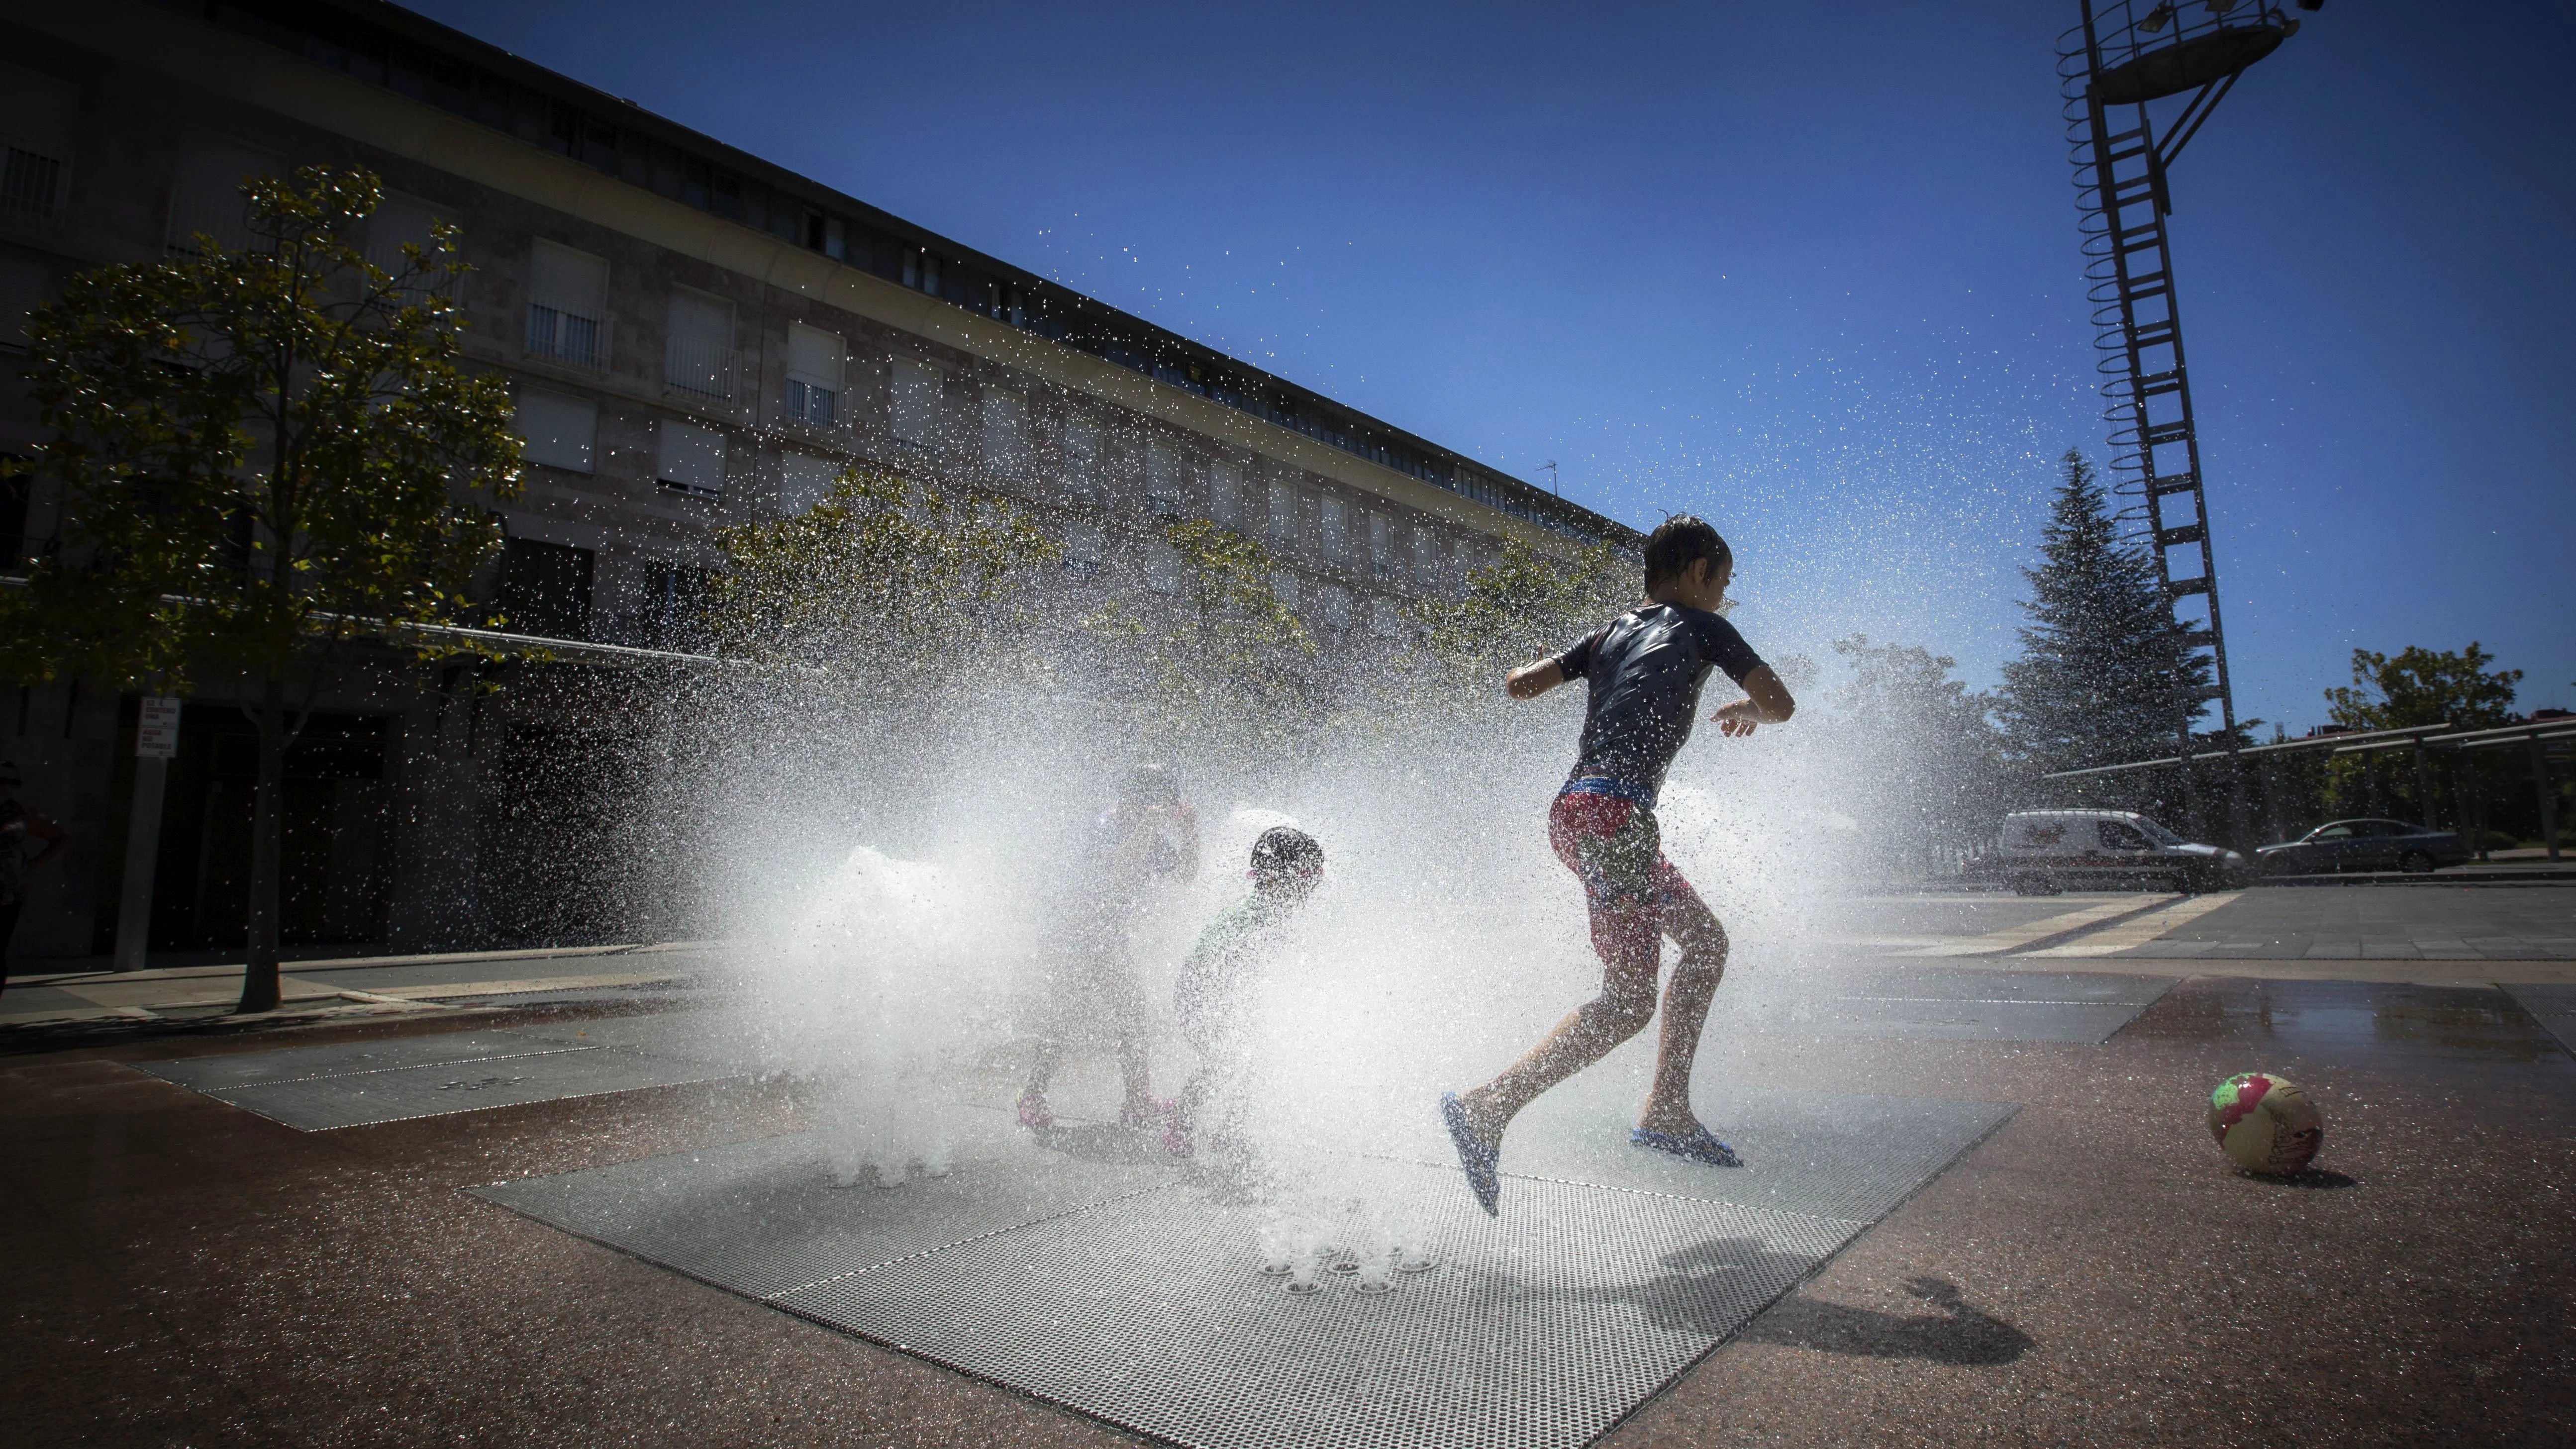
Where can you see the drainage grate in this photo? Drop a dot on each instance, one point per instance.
(2554, 1007)
(1128, 1294)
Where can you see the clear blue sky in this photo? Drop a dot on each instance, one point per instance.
(1808, 270)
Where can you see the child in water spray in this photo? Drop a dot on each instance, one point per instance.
(1210, 998)
(1147, 834)
(1644, 670)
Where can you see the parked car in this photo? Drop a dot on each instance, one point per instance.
(2364, 845)
(2045, 851)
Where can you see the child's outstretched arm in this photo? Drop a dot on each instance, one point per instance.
(1532, 680)
(1766, 701)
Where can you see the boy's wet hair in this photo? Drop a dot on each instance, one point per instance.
(1677, 543)
(1283, 849)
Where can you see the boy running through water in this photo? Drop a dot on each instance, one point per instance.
(1644, 670)
(1211, 998)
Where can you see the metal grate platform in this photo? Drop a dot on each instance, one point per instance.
(316, 1089)
(1128, 1293)
(2554, 1007)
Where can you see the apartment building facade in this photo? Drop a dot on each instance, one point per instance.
(693, 338)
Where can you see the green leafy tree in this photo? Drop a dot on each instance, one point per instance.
(2422, 687)
(2104, 675)
(1225, 665)
(259, 454)
(881, 570)
(1523, 605)
(1928, 744)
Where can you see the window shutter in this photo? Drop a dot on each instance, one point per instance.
(693, 458)
(1082, 460)
(916, 401)
(1283, 515)
(207, 197)
(1334, 523)
(699, 354)
(807, 480)
(400, 220)
(559, 431)
(814, 357)
(1162, 567)
(1225, 495)
(1006, 416)
(568, 281)
(1162, 477)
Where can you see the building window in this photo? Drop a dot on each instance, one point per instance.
(1163, 491)
(35, 141)
(697, 356)
(1162, 567)
(1283, 587)
(674, 615)
(1381, 547)
(30, 184)
(23, 283)
(1333, 603)
(805, 481)
(206, 198)
(916, 401)
(814, 370)
(558, 431)
(1006, 423)
(1225, 496)
(1084, 544)
(545, 589)
(1426, 558)
(1386, 618)
(400, 221)
(921, 272)
(1081, 461)
(693, 459)
(567, 305)
(1281, 524)
(1333, 522)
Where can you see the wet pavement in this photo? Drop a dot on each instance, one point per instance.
(2095, 1272)
(2426, 920)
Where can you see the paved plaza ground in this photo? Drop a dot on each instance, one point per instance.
(185, 1270)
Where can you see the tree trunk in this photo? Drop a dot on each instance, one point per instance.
(267, 837)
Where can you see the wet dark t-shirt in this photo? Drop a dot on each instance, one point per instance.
(1645, 669)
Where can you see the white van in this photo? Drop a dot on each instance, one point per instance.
(2045, 851)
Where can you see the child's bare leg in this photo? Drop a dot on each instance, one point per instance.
(1625, 1005)
(1687, 996)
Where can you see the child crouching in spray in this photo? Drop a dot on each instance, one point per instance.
(1211, 999)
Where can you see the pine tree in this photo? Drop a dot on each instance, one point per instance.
(2104, 675)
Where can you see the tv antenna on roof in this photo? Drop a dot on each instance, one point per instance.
(1549, 468)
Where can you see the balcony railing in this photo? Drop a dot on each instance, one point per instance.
(699, 367)
(569, 336)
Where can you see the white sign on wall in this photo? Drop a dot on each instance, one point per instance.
(156, 735)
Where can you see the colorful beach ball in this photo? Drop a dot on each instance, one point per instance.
(2265, 1123)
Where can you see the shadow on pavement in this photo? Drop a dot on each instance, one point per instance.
(1958, 1333)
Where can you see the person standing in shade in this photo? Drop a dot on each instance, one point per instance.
(17, 822)
(1644, 670)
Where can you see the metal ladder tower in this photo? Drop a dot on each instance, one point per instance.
(2124, 55)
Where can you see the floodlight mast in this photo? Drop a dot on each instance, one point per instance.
(2122, 57)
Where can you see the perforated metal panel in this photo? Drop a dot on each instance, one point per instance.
(1131, 1294)
(763, 1217)
(2554, 1007)
(319, 1088)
